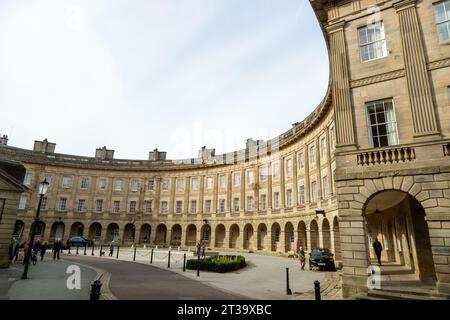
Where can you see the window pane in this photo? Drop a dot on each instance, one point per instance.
(439, 12)
(443, 32)
(384, 141)
(362, 36)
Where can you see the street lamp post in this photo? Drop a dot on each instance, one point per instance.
(43, 186)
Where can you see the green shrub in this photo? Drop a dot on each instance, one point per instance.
(217, 263)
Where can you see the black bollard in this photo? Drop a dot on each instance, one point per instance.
(69, 249)
(92, 254)
(184, 263)
(168, 261)
(95, 290)
(77, 249)
(198, 263)
(151, 257)
(288, 290)
(134, 256)
(85, 249)
(117, 256)
(101, 250)
(317, 290)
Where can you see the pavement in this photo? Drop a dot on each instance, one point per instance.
(264, 277)
(47, 280)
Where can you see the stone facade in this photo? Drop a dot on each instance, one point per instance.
(319, 184)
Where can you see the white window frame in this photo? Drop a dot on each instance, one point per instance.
(208, 204)
(236, 179)
(22, 202)
(289, 167)
(263, 202)
(84, 183)
(102, 183)
(194, 183)
(180, 184)
(97, 202)
(165, 184)
(179, 207)
(148, 206)
(28, 178)
(250, 203)
(132, 207)
(446, 21)
(81, 205)
(150, 184)
(134, 185)
(325, 189)
(66, 182)
(392, 123)
(381, 42)
(62, 204)
(289, 198)
(223, 181)
(276, 200)
(302, 194)
(236, 204)
(314, 195)
(209, 181)
(164, 208)
(118, 184)
(193, 208)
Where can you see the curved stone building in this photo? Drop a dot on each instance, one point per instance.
(371, 161)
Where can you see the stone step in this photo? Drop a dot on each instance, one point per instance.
(427, 292)
(382, 294)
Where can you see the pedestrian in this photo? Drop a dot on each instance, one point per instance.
(111, 248)
(302, 258)
(199, 248)
(377, 247)
(26, 250)
(11, 250)
(43, 249)
(37, 246)
(203, 250)
(16, 250)
(57, 245)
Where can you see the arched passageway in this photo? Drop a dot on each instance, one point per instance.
(112, 232)
(161, 235)
(175, 237)
(57, 231)
(234, 236)
(18, 229)
(326, 234)
(191, 235)
(77, 229)
(262, 237)
(220, 236)
(289, 239)
(248, 237)
(397, 220)
(275, 237)
(145, 234)
(337, 240)
(129, 234)
(301, 235)
(314, 231)
(95, 232)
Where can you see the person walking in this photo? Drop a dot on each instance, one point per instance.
(57, 245)
(26, 250)
(42, 251)
(111, 248)
(16, 250)
(377, 247)
(11, 250)
(302, 258)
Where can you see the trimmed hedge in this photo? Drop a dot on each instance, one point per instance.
(218, 263)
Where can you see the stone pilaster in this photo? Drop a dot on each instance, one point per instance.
(419, 84)
(340, 86)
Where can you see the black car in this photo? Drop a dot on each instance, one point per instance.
(79, 242)
(322, 259)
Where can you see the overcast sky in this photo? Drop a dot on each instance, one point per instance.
(134, 75)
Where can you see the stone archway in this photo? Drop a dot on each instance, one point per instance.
(206, 235)
(175, 237)
(77, 229)
(314, 231)
(57, 231)
(336, 240)
(248, 237)
(234, 236)
(191, 235)
(289, 238)
(397, 220)
(262, 236)
(301, 235)
(220, 236)
(112, 232)
(39, 232)
(129, 234)
(145, 234)
(275, 232)
(326, 234)
(161, 235)
(95, 232)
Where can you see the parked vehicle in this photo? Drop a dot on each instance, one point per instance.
(321, 259)
(79, 242)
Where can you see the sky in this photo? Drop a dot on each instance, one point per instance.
(135, 75)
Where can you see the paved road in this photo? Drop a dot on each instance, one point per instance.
(135, 281)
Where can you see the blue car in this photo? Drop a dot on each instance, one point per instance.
(79, 242)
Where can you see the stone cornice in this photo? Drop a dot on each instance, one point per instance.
(378, 78)
(404, 4)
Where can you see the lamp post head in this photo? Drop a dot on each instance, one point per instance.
(322, 212)
(205, 221)
(43, 186)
